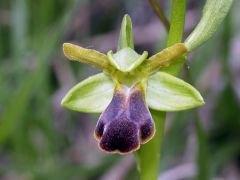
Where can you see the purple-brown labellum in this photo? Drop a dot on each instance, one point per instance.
(126, 123)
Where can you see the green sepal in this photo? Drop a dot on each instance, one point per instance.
(126, 59)
(168, 93)
(126, 36)
(214, 13)
(91, 95)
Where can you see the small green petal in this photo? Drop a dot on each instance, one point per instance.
(87, 56)
(126, 35)
(168, 93)
(91, 95)
(126, 59)
(164, 58)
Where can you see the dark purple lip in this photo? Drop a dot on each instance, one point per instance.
(126, 123)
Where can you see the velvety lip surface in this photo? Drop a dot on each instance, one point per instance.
(126, 123)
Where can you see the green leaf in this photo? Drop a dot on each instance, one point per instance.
(126, 37)
(126, 59)
(168, 93)
(214, 13)
(87, 56)
(91, 95)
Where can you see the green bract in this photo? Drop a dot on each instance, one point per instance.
(129, 84)
(214, 13)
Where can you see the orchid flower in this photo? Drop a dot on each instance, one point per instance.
(129, 85)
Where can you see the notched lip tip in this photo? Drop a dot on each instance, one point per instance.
(119, 152)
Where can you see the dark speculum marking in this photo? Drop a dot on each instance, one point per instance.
(126, 123)
(121, 135)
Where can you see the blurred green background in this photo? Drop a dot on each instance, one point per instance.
(41, 140)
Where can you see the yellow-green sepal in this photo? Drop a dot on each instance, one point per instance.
(91, 95)
(126, 36)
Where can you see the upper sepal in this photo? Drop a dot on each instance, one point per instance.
(168, 93)
(91, 95)
(126, 59)
(126, 36)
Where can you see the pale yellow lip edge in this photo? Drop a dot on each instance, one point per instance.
(121, 153)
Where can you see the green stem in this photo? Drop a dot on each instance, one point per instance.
(148, 156)
(176, 34)
(177, 22)
(158, 10)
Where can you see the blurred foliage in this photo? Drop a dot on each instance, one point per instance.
(40, 140)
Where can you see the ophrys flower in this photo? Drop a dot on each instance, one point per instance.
(128, 85)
